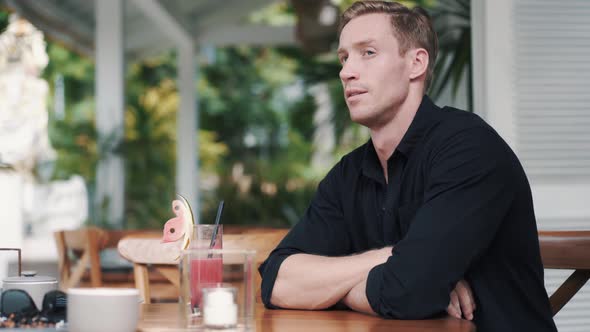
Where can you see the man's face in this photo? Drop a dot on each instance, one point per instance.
(374, 75)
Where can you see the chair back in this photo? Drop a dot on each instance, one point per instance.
(263, 241)
(78, 250)
(566, 250)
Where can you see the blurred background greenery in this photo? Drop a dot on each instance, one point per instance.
(256, 107)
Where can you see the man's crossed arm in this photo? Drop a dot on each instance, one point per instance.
(317, 282)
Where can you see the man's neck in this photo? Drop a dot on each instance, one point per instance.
(386, 138)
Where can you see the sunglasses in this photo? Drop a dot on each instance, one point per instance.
(20, 307)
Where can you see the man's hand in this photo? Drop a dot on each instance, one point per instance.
(462, 301)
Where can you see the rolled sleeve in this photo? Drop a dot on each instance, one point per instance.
(269, 270)
(321, 231)
(468, 195)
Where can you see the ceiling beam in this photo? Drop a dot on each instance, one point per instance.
(59, 24)
(187, 12)
(165, 22)
(153, 29)
(230, 14)
(144, 45)
(249, 35)
(143, 34)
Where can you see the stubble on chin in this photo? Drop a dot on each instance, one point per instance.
(361, 116)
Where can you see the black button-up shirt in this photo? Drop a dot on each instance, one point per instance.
(457, 206)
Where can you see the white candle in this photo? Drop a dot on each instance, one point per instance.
(219, 307)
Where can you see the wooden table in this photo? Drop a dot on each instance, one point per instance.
(166, 317)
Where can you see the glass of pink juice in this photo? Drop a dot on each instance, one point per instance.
(204, 272)
(208, 273)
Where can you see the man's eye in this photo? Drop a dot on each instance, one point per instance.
(343, 59)
(368, 52)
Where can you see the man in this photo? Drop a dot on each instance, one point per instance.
(433, 214)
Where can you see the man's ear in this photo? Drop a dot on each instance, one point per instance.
(419, 63)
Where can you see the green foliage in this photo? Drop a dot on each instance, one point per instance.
(74, 136)
(276, 14)
(272, 192)
(75, 143)
(3, 20)
(149, 146)
(78, 74)
(242, 93)
(452, 20)
(244, 99)
(256, 124)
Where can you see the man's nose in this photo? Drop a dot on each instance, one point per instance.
(348, 73)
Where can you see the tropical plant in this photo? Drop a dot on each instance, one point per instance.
(452, 22)
(255, 146)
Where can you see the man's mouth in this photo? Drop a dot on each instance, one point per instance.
(352, 92)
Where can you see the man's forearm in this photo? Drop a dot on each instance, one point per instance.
(317, 282)
(357, 300)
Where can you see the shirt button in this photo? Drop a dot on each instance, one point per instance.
(383, 209)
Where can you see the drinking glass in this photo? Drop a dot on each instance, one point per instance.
(203, 236)
(219, 273)
(204, 271)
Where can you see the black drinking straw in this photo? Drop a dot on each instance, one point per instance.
(217, 220)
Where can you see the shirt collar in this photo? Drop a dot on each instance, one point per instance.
(371, 167)
(424, 119)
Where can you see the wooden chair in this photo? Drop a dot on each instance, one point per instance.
(144, 253)
(85, 244)
(566, 250)
(79, 257)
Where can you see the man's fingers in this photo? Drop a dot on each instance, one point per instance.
(452, 311)
(454, 308)
(466, 300)
(470, 294)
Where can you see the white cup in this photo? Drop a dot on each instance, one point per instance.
(103, 309)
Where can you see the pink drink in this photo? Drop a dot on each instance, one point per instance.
(204, 272)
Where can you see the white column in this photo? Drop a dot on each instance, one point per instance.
(11, 217)
(493, 65)
(110, 107)
(187, 147)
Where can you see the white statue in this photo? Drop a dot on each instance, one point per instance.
(24, 140)
(30, 201)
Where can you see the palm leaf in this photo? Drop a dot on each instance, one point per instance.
(452, 23)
